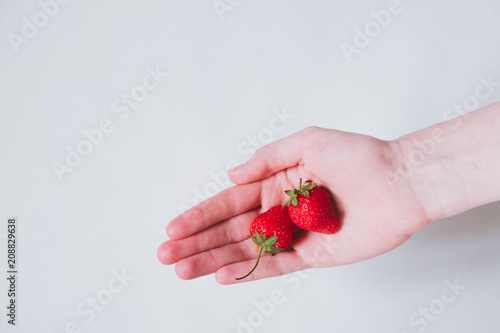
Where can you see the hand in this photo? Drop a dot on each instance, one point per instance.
(377, 214)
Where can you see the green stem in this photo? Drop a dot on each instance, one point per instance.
(254, 267)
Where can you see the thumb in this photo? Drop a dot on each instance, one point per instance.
(270, 159)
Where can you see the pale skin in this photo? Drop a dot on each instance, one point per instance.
(384, 192)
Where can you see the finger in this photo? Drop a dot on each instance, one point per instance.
(224, 205)
(233, 230)
(282, 263)
(209, 262)
(272, 158)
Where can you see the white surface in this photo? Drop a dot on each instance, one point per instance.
(225, 79)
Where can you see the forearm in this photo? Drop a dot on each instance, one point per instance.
(454, 166)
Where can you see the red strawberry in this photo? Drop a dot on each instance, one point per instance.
(272, 232)
(311, 208)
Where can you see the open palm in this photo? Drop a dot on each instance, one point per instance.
(377, 212)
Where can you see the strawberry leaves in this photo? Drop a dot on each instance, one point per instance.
(303, 189)
(265, 245)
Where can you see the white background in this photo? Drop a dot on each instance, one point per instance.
(229, 72)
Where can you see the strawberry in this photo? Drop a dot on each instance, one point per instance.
(312, 209)
(272, 232)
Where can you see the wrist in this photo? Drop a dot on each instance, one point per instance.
(454, 166)
(421, 167)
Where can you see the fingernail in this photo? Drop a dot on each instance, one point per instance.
(235, 170)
